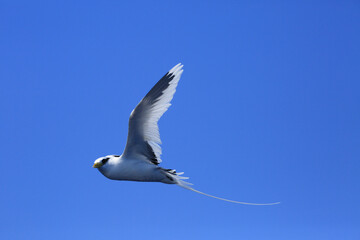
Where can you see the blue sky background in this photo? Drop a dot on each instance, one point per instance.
(267, 110)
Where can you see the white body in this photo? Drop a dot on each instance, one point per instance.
(119, 168)
(142, 153)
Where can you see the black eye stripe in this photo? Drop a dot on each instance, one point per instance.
(104, 160)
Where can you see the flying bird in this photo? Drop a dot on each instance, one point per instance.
(142, 155)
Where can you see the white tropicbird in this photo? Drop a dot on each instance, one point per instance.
(141, 157)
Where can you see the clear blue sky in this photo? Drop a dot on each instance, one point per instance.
(268, 109)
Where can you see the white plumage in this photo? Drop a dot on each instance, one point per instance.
(143, 123)
(142, 154)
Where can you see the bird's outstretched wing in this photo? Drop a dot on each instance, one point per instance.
(144, 137)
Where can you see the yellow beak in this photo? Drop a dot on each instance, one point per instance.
(97, 165)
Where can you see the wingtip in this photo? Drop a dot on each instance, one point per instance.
(177, 68)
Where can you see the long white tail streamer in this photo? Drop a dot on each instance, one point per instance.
(227, 200)
(185, 185)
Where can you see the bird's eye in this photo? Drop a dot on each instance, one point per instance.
(104, 160)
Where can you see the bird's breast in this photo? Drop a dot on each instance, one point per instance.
(133, 170)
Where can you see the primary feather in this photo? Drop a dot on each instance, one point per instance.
(144, 137)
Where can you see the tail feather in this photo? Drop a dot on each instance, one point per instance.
(224, 199)
(183, 184)
(177, 179)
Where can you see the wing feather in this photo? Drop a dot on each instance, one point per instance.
(144, 136)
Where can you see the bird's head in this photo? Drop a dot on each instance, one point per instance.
(104, 160)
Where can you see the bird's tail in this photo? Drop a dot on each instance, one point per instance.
(183, 184)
